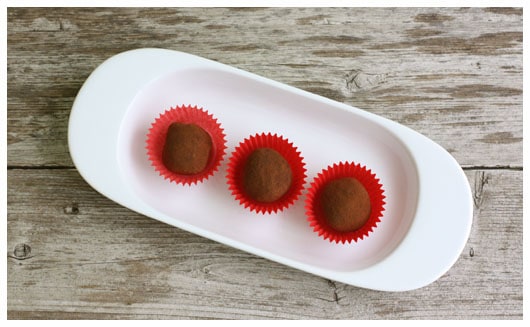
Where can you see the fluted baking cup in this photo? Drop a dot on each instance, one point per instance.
(156, 138)
(314, 212)
(239, 158)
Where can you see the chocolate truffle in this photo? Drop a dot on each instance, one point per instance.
(345, 204)
(187, 149)
(267, 176)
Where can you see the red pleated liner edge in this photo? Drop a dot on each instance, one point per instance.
(372, 185)
(237, 163)
(189, 115)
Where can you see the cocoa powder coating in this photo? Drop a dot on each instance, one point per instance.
(345, 204)
(267, 176)
(187, 149)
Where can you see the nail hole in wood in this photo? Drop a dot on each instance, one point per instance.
(72, 209)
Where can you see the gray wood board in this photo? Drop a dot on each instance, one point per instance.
(91, 258)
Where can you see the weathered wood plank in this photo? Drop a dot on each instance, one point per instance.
(91, 258)
(453, 74)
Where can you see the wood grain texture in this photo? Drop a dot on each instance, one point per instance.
(453, 74)
(91, 258)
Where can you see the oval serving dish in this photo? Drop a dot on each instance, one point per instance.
(428, 211)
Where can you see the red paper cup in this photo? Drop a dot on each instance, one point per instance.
(239, 159)
(314, 212)
(156, 138)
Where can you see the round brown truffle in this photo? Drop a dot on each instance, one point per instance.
(187, 149)
(267, 176)
(345, 204)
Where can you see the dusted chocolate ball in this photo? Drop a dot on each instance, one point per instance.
(267, 176)
(187, 149)
(345, 204)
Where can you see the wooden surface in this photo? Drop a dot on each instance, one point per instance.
(453, 74)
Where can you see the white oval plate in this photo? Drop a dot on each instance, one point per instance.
(428, 200)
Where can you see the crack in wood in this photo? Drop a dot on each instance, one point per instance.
(333, 286)
(22, 167)
(516, 168)
(481, 179)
